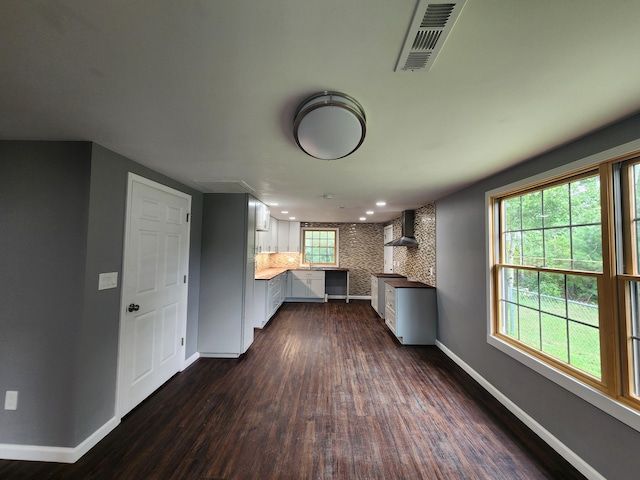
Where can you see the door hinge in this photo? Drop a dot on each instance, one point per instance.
(182, 341)
(188, 218)
(185, 279)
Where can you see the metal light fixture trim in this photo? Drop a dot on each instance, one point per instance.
(329, 125)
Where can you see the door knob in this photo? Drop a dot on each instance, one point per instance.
(133, 307)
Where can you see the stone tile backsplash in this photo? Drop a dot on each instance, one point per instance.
(418, 263)
(361, 250)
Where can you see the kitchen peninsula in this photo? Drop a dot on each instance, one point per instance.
(410, 311)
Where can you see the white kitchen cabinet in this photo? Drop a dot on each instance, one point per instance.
(294, 237)
(307, 284)
(273, 236)
(283, 236)
(268, 296)
(267, 240)
(262, 216)
(288, 236)
(410, 312)
(378, 290)
(261, 241)
(374, 293)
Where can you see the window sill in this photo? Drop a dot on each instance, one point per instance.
(621, 412)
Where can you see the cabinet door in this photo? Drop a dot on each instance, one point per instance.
(262, 216)
(261, 242)
(294, 237)
(273, 235)
(299, 287)
(316, 287)
(374, 293)
(283, 236)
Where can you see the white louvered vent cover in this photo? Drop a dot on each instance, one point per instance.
(432, 22)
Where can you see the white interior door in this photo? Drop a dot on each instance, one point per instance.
(154, 290)
(388, 251)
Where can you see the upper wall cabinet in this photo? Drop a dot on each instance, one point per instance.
(288, 236)
(262, 217)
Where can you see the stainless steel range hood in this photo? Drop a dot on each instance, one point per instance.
(407, 239)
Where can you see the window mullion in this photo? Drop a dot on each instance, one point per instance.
(609, 327)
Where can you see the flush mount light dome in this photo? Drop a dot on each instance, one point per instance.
(329, 125)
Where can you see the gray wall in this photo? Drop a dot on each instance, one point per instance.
(606, 444)
(62, 214)
(44, 197)
(98, 345)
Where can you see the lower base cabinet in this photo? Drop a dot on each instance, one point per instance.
(307, 285)
(378, 290)
(410, 313)
(268, 296)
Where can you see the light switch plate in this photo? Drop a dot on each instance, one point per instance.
(107, 280)
(11, 400)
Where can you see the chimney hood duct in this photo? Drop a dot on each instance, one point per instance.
(407, 239)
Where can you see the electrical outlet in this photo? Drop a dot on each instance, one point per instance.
(11, 400)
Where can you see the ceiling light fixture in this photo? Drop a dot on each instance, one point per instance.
(329, 125)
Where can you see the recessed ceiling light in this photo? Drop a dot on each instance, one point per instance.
(381, 204)
(292, 218)
(369, 212)
(274, 204)
(362, 219)
(285, 211)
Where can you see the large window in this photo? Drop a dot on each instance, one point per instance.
(320, 246)
(565, 271)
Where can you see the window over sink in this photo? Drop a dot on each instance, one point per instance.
(320, 246)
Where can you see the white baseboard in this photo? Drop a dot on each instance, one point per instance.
(189, 361)
(220, 355)
(39, 453)
(568, 454)
(359, 297)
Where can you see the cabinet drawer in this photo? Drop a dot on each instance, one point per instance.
(308, 275)
(390, 320)
(390, 297)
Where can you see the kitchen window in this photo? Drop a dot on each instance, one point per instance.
(564, 268)
(320, 246)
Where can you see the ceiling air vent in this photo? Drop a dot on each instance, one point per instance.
(432, 22)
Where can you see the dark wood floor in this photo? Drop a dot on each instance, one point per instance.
(325, 392)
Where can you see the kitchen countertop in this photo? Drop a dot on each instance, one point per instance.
(269, 273)
(407, 284)
(388, 275)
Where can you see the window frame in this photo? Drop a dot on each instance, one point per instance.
(603, 328)
(303, 233)
(610, 394)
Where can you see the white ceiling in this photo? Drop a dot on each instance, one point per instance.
(206, 90)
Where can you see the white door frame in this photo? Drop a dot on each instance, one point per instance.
(132, 177)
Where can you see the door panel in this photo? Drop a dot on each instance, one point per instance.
(156, 263)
